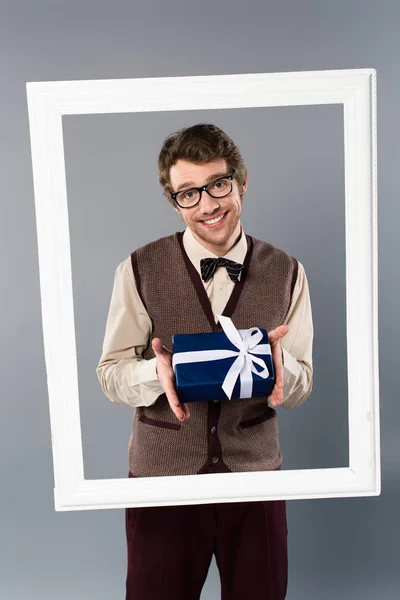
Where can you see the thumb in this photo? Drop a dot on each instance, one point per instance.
(278, 333)
(158, 346)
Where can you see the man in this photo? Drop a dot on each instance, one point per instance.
(177, 285)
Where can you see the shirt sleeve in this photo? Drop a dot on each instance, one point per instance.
(297, 345)
(124, 375)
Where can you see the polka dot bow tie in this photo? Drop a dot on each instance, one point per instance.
(208, 266)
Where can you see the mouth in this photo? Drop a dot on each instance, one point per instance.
(215, 222)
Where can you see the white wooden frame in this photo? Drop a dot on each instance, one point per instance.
(47, 103)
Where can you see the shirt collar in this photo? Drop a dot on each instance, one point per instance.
(196, 251)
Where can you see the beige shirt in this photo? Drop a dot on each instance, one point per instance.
(127, 378)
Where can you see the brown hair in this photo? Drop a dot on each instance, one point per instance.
(200, 143)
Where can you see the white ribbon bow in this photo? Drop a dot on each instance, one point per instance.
(247, 342)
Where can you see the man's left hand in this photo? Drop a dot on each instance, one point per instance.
(274, 336)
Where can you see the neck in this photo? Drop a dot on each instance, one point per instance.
(222, 249)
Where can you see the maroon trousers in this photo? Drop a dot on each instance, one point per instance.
(170, 550)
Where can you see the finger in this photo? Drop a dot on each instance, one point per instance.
(277, 361)
(276, 397)
(185, 410)
(277, 392)
(156, 344)
(179, 410)
(272, 400)
(158, 347)
(279, 378)
(278, 374)
(172, 397)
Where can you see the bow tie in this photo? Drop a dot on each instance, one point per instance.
(208, 267)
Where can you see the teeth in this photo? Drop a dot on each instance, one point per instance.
(214, 220)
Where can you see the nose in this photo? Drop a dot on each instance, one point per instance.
(208, 204)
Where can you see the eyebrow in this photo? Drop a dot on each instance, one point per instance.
(209, 178)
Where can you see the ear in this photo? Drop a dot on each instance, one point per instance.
(245, 184)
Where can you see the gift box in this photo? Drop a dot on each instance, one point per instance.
(223, 365)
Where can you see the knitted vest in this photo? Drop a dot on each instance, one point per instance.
(240, 434)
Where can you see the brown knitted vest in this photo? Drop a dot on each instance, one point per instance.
(223, 435)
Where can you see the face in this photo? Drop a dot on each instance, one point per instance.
(221, 236)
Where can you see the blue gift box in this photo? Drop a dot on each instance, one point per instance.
(196, 381)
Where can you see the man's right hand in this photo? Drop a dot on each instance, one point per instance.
(166, 376)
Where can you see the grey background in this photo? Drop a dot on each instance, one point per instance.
(295, 201)
(295, 160)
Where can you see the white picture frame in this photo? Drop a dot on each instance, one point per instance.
(355, 89)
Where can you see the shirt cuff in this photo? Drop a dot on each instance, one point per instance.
(291, 372)
(290, 365)
(144, 375)
(147, 370)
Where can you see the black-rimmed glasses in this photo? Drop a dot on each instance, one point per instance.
(216, 189)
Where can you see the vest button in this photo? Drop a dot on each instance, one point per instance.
(215, 459)
(213, 429)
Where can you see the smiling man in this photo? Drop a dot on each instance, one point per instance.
(178, 284)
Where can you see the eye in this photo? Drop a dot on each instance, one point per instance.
(220, 184)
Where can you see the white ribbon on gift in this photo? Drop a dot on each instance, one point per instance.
(247, 342)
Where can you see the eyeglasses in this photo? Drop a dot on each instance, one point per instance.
(216, 189)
